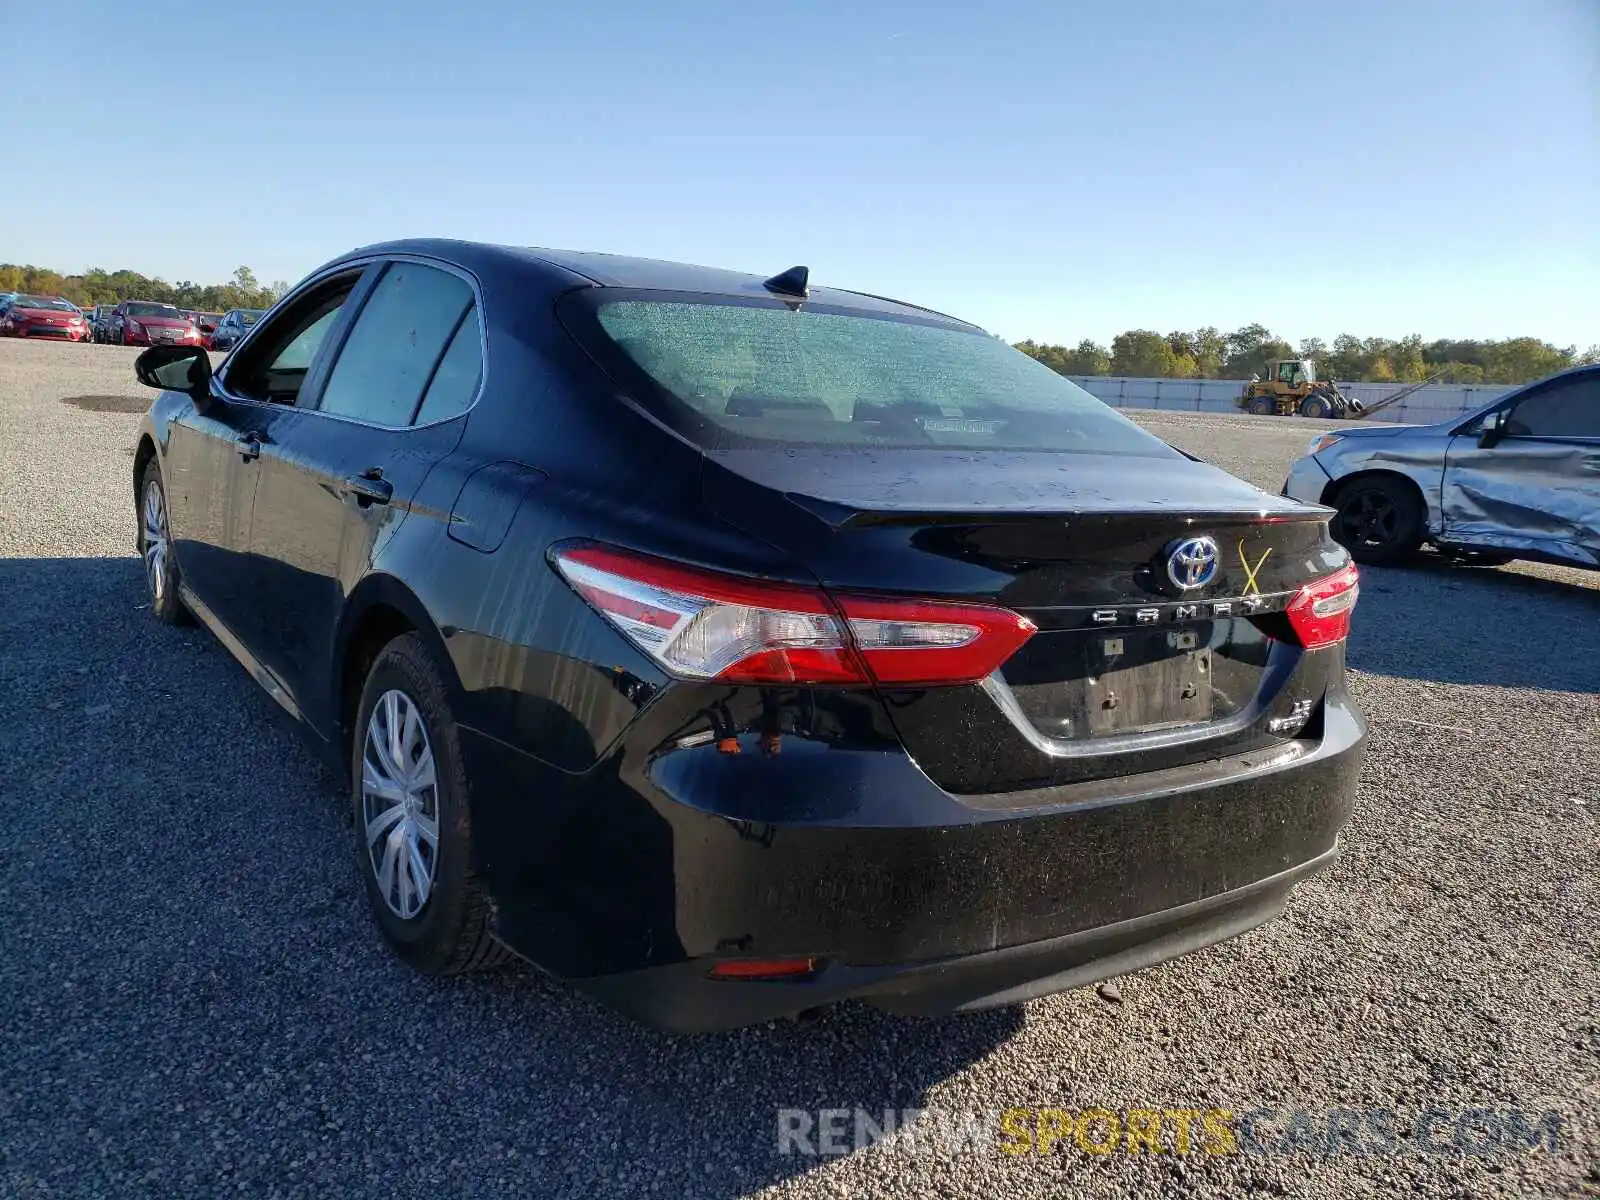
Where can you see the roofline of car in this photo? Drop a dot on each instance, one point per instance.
(425, 249)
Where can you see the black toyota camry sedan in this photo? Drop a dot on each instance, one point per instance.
(731, 646)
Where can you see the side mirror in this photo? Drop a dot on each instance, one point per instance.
(176, 369)
(1493, 428)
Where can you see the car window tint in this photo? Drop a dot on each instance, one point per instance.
(274, 366)
(769, 374)
(297, 355)
(1567, 409)
(396, 342)
(455, 382)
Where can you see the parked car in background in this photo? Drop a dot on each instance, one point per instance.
(235, 323)
(1519, 478)
(834, 649)
(207, 324)
(149, 323)
(99, 321)
(25, 316)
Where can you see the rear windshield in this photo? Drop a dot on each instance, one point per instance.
(152, 310)
(758, 373)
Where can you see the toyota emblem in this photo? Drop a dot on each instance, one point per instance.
(1192, 563)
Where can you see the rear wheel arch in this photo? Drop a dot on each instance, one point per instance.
(379, 610)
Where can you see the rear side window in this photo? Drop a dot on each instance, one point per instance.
(455, 382)
(1569, 409)
(398, 339)
(762, 373)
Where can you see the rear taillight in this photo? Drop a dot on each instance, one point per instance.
(704, 625)
(1320, 612)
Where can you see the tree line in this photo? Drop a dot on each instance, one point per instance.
(1142, 353)
(1209, 354)
(99, 286)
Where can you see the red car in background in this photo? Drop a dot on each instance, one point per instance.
(40, 316)
(149, 323)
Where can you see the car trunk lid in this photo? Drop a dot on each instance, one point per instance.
(1138, 662)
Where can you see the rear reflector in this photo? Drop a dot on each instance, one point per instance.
(763, 968)
(1320, 613)
(704, 625)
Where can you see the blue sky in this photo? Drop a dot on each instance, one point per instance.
(1049, 169)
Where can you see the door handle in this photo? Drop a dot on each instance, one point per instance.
(250, 445)
(370, 487)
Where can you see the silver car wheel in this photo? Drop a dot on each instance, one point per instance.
(400, 804)
(155, 539)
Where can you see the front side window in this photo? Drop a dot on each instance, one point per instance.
(1568, 409)
(398, 339)
(275, 364)
(763, 374)
(297, 355)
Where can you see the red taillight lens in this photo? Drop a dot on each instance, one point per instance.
(1320, 613)
(911, 643)
(705, 625)
(763, 968)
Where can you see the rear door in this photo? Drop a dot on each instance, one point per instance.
(1538, 487)
(341, 468)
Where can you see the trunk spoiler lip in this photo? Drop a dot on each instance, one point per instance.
(839, 516)
(850, 490)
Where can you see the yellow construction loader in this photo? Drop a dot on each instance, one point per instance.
(1291, 387)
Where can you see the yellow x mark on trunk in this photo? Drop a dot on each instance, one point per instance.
(1249, 571)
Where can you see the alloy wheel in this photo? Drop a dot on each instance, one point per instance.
(400, 803)
(155, 539)
(1370, 518)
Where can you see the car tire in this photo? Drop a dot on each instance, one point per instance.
(445, 929)
(1262, 406)
(161, 575)
(1379, 520)
(1314, 406)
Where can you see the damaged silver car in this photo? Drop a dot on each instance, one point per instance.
(1518, 479)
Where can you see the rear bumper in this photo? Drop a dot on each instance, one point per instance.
(682, 999)
(636, 877)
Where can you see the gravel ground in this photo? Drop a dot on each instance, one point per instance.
(193, 999)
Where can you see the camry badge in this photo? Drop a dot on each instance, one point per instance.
(1192, 563)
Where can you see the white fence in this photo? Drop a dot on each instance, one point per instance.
(1425, 406)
